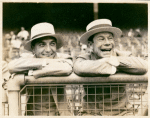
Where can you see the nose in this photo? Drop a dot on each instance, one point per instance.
(107, 42)
(47, 48)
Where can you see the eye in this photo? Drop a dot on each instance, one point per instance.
(110, 37)
(41, 44)
(53, 43)
(100, 38)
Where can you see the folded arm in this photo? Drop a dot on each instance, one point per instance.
(24, 64)
(132, 65)
(85, 67)
(58, 68)
(107, 66)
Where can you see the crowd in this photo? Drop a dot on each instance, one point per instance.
(13, 44)
(100, 51)
(133, 41)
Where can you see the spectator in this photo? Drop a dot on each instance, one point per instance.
(5, 78)
(14, 53)
(105, 60)
(137, 33)
(7, 41)
(16, 42)
(46, 62)
(130, 33)
(23, 34)
(13, 36)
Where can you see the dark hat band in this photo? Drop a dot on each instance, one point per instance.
(101, 25)
(40, 34)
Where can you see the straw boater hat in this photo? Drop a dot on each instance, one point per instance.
(100, 25)
(42, 30)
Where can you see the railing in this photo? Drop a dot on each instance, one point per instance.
(119, 94)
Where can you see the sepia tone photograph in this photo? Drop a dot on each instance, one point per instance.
(74, 59)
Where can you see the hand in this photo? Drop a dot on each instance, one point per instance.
(106, 68)
(113, 70)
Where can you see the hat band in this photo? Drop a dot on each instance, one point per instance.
(41, 34)
(101, 25)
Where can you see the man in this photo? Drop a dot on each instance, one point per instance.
(7, 41)
(14, 52)
(137, 33)
(5, 77)
(46, 62)
(23, 34)
(13, 36)
(105, 60)
(131, 33)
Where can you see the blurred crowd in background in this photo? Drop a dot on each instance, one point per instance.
(133, 40)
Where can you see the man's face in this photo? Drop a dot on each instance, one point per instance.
(103, 44)
(45, 48)
(14, 53)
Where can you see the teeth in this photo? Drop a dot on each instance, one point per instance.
(106, 51)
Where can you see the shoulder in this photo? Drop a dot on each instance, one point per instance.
(26, 31)
(19, 32)
(63, 56)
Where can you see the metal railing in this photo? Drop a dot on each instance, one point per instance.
(119, 94)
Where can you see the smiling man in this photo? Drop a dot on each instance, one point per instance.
(105, 60)
(45, 62)
(39, 50)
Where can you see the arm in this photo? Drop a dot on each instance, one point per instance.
(23, 64)
(132, 65)
(93, 67)
(57, 68)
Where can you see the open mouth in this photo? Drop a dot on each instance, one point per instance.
(106, 49)
(48, 55)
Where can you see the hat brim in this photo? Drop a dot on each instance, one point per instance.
(57, 36)
(115, 31)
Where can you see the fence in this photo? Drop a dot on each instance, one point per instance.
(119, 94)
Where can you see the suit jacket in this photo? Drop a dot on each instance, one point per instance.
(61, 65)
(114, 97)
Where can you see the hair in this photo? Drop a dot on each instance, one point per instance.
(39, 39)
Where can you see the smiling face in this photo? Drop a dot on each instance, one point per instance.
(103, 44)
(44, 47)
